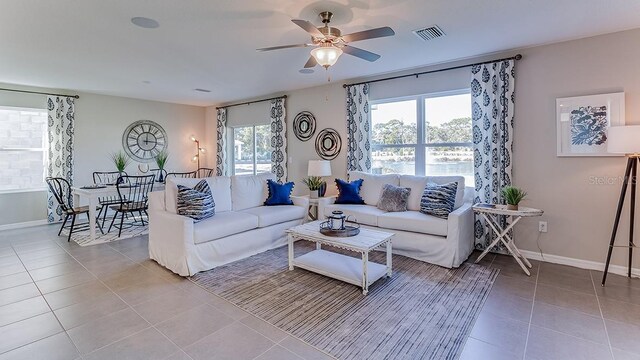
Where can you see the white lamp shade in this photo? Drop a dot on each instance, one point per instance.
(624, 139)
(319, 168)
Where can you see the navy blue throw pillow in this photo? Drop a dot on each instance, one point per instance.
(279, 194)
(349, 192)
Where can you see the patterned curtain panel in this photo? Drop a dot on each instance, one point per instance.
(60, 131)
(358, 128)
(493, 102)
(278, 116)
(221, 153)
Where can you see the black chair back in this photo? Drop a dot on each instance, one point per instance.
(106, 177)
(204, 172)
(134, 190)
(61, 190)
(190, 174)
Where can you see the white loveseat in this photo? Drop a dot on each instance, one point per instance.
(241, 227)
(445, 242)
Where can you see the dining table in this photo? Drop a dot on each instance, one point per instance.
(92, 195)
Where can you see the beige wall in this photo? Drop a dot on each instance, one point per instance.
(100, 122)
(579, 213)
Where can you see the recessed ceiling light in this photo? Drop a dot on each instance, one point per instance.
(144, 22)
(306, 71)
(202, 90)
(146, 81)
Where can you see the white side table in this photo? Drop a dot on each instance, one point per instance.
(492, 215)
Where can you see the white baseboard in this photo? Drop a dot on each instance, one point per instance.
(23, 224)
(583, 264)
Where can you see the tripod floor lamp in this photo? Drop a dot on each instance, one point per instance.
(624, 140)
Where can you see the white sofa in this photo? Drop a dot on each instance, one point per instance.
(241, 227)
(445, 242)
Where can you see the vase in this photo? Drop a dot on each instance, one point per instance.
(313, 194)
(160, 176)
(512, 207)
(323, 189)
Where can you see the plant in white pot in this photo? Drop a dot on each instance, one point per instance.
(512, 196)
(161, 161)
(314, 183)
(121, 161)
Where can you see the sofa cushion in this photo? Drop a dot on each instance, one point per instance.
(220, 187)
(223, 225)
(271, 215)
(413, 221)
(196, 203)
(349, 192)
(249, 191)
(393, 198)
(418, 183)
(372, 185)
(279, 194)
(439, 200)
(362, 214)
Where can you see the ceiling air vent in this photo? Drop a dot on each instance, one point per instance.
(429, 33)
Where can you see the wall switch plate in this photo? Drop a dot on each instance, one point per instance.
(542, 226)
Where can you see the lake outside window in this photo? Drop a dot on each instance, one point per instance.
(423, 135)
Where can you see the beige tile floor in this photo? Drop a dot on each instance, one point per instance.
(62, 301)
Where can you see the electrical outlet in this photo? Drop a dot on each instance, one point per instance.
(542, 226)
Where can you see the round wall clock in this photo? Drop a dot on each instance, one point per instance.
(328, 144)
(143, 140)
(304, 125)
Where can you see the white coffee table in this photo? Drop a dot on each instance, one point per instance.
(359, 272)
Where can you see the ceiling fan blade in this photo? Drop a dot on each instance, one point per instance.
(310, 63)
(362, 54)
(283, 47)
(369, 34)
(308, 27)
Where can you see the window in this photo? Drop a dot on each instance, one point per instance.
(23, 149)
(423, 135)
(251, 149)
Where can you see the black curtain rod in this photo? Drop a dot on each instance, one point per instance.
(516, 57)
(252, 102)
(40, 93)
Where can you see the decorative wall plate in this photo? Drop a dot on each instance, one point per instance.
(304, 125)
(143, 140)
(328, 144)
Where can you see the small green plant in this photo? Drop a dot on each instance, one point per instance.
(313, 182)
(161, 159)
(121, 160)
(513, 195)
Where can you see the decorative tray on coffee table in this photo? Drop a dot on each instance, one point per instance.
(346, 231)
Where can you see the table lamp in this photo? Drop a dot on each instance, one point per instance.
(624, 140)
(320, 168)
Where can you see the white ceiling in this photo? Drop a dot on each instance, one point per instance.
(91, 45)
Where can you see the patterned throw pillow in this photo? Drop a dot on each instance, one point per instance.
(439, 200)
(196, 203)
(394, 198)
(349, 192)
(279, 194)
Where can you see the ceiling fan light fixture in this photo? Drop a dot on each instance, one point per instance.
(326, 55)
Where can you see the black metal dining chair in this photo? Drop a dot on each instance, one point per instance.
(61, 190)
(204, 172)
(190, 174)
(133, 192)
(106, 178)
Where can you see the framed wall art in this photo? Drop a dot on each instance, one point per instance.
(583, 123)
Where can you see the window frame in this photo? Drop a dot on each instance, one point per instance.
(420, 147)
(232, 149)
(44, 150)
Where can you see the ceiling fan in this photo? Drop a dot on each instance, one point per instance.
(329, 42)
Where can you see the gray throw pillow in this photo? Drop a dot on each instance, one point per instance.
(196, 203)
(394, 198)
(439, 200)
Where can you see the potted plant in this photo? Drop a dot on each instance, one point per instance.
(121, 161)
(512, 196)
(161, 161)
(315, 184)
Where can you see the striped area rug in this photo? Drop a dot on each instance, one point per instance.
(422, 312)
